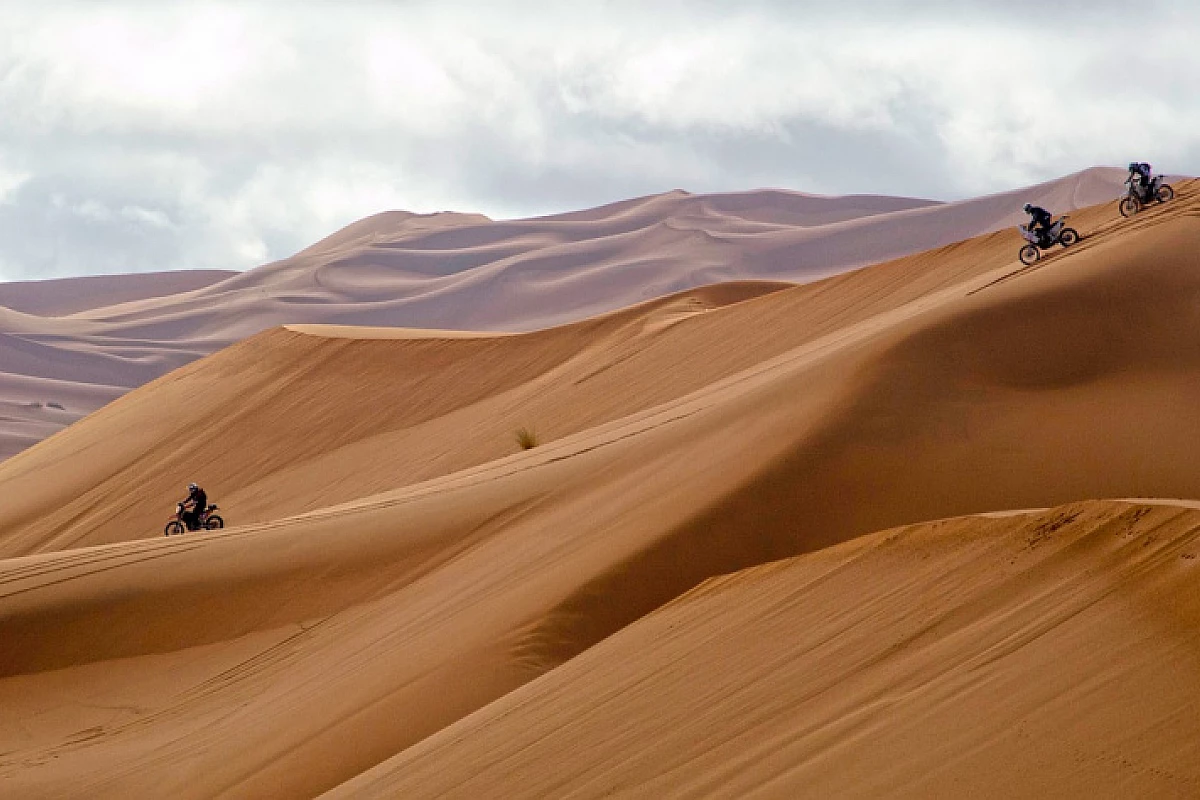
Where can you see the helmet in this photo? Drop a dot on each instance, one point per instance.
(192, 487)
(1028, 207)
(1133, 165)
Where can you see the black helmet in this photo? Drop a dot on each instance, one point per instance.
(1028, 207)
(1133, 165)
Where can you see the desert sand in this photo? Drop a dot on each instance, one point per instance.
(109, 334)
(1067, 668)
(844, 538)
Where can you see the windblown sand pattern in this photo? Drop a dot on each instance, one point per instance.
(845, 538)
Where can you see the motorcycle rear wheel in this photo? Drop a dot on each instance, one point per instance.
(174, 528)
(1130, 206)
(1030, 254)
(1164, 193)
(214, 522)
(1068, 237)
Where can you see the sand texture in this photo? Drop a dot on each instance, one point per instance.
(106, 335)
(845, 538)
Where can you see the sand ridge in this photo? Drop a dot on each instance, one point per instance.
(407, 601)
(455, 271)
(1030, 655)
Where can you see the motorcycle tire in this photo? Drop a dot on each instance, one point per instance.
(214, 523)
(1130, 206)
(1030, 254)
(1068, 237)
(1164, 193)
(174, 528)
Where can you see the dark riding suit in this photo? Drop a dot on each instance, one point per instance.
(199, 501)
(1143, 175)
(1041, 221)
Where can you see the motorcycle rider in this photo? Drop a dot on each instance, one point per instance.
(195, 504)
(1142, 175)
(1040, 222)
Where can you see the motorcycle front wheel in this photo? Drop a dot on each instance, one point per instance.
(174, 528)
(1029, 254)
(1130, 206)
(214, 522)
(1164, 193)
(1068, 237)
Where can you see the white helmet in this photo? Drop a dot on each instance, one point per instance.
(192, 487)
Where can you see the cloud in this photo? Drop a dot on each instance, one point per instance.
(10, 182)
(141, 136)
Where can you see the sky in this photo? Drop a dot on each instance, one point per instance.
(140, 136)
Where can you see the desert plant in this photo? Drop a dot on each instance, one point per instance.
(526, 438)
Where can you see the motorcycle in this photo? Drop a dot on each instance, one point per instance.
(1136, 198)
(1057, 233)
(208, 521)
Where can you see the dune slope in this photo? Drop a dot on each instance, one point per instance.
(958, 355)
(396, 565)
(1031, 655)
(459, 271)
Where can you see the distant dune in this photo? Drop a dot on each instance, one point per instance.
(467, 272)
(682, 590)
(61, 297)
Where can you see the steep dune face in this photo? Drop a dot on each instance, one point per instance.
(1085, 364)
(464, 271)
(266, 424)
(1032, 655)
(403, 566)
(286, 421)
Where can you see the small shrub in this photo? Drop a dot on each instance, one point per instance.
(526, 438)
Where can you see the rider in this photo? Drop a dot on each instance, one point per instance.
(1041, 220)
(196, 503)
(1142, 175)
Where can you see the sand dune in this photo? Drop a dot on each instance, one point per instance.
(464, 271)
(395, 402)
(408, 604)
(1035, 655)
(64, 296)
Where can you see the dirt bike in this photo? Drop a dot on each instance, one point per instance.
(1057, 233)
(1136, 198)
(208, 521)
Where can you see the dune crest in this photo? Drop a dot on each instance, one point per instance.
(453, 271)
(680, 589)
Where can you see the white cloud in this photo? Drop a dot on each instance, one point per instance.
(10, 181)
(145, 216)
(221, 134)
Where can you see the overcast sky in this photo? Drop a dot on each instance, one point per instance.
(140, 135)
